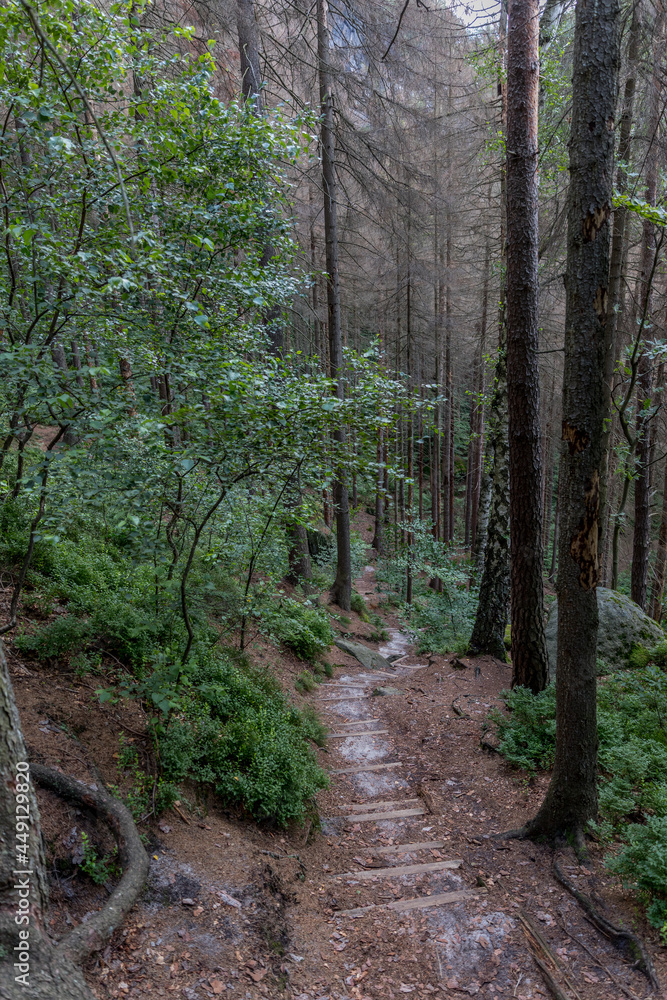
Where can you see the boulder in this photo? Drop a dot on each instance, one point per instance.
(367, 657)
(386, 691)
(623, 625)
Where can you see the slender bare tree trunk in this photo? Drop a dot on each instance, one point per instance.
(617, 263)
(341, 591)
(658, 589)
(641, 539)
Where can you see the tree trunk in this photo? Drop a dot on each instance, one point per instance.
(488, 635)
(571, 799)
(36, 968)
(658, 588)
(341, 591)
(641, 540)
(617, 261)
(251, 87)
(529, 652)
(378, 537)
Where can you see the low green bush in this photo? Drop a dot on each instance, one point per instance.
(632, 757)
(63, 636)
(236, 731)
(642, 863)
(303, 628)
(358, 605)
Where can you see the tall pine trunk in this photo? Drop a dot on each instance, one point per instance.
(488, 634)
(529, 653)
(641, 539)
(341, 591)
(571, 800)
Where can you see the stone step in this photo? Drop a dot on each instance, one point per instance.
(357, 722)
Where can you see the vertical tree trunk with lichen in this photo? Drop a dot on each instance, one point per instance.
(488, 634)
(529, 652)
(571, 800)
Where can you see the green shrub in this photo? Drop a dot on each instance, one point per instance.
(639, 657)
(632, 758)
(66, 634)
(100, 870)
(305, 682)
(304, 629)
(643, 864)
(659, 654)
(527, 735)
(358, 605)
(237, 732)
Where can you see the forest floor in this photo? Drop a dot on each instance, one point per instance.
(403, 890)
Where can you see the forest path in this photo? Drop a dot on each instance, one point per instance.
(418, 897)
(403, 891)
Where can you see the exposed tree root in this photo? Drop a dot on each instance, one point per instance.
(55, 972)
(618, 935)
(95, 932)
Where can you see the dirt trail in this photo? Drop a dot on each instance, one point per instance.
(403, 890)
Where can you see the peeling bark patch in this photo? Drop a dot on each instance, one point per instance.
(584, 544)
(577, 440)
(600, 303)
(594, 221)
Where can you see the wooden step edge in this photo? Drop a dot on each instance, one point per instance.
(360, 768)
(418, 903)
(375, 816)
(386, 804)
(396, 870)
(347, 736)
(424, 845)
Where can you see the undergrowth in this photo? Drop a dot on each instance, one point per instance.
(632, 733)
(236, 731)
(442, 613)
(215, 720)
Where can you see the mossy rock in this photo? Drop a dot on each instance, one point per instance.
(623, 627)
(367, 657)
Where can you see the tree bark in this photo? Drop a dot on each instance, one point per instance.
(488, 635)
(378, 536)
(571, 800)
(658, 589)
(641, 539)
(341, 591)
(529, 652)
(51, 971)
(616, 264)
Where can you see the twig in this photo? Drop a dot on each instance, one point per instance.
(616, 934)
(625, 989)
(543, 945)
(185, 819)
(398, 28)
